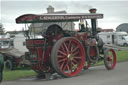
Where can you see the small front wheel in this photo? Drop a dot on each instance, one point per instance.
(109, 59)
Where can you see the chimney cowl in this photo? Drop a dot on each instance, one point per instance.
(93, 10)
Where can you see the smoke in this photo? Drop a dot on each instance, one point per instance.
(71, 6)
(81, 8)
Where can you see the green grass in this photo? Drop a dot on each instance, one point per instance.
(122, 55)
(13, 75)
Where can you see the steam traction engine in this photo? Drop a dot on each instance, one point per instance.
(62, 51)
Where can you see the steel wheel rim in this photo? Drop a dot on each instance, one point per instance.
(111, 59)
(70, 57)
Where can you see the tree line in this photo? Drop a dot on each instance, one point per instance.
(2, 29)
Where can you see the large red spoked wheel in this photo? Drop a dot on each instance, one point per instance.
(68, 57)
(109, 59)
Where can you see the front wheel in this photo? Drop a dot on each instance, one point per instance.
(109, 59)
(68, 57)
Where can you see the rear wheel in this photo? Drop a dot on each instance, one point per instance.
(9, 65)
(68, 57)
(110, 59)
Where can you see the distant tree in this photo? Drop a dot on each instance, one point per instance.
(2, 31)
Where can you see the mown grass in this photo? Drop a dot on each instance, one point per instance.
(13, 75)
(122, 55)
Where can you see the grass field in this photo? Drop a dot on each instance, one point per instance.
(12, 75)
(122, 55)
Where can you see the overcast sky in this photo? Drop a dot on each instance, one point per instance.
(115, 11)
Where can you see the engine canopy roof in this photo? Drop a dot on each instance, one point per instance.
(34, 18)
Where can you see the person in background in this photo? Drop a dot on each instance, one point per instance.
(1, 67)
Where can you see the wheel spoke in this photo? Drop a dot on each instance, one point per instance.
(75, 49)
(69, 44)
(78, 57)
(74, 61)
(62, 48)
(62, 60)
(75, 53)
(65, 66)
(71, 47)
(62, 65)
(68, 68)
(63, 53)
(111, 62)
(66, 48)
(109, 58)
(71, 66)
(60, 57)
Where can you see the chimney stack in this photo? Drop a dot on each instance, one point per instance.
(50, 9)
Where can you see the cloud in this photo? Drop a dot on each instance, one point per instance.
(115, 12)
(65, 0)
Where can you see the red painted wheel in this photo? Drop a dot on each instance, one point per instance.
(110, 59)
(68, 57)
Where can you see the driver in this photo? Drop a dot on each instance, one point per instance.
(82, 26)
